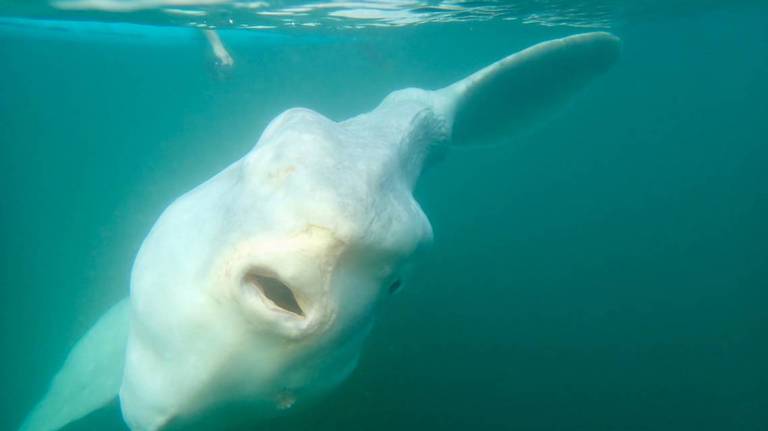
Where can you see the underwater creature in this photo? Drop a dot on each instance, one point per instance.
(261, 284)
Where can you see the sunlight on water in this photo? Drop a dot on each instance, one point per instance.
(346, 14)
(309, 15)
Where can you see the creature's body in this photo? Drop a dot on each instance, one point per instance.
(261, 283)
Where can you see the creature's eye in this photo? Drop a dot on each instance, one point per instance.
(275, 293)
(395, 286)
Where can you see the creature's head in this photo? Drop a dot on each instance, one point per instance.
(262, 283)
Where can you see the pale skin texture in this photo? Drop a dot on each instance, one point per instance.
(262, 283)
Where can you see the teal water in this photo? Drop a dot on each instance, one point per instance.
(608, 271)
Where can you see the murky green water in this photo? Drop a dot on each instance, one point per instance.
(608, 271)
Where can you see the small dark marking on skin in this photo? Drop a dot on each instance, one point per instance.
(395, 286)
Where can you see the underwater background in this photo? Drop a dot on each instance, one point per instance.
(607, 271)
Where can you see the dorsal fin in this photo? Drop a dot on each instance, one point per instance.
(521, 89)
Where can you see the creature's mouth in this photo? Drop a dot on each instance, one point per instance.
(275, 294)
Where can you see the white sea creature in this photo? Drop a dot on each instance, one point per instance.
(262, 283)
